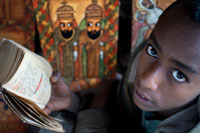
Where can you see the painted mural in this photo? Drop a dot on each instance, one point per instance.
(145, 15)
(79, 38)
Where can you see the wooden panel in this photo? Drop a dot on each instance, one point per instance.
(17, 10)
(18, 36)
(2, 9)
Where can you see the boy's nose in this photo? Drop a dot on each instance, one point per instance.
(151, 78)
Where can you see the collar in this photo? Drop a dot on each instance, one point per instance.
(182, 121)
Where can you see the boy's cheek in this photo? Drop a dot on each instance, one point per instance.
(143, 64)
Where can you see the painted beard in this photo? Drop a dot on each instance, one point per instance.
(94, 34)
(66, 33)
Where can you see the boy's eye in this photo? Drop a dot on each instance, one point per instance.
(178, 76)
(152, 51)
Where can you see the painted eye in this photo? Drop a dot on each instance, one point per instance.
(178, 76)
(152, 51)
(98, 24)
(69, 25)
(90, 24)
(62, 25)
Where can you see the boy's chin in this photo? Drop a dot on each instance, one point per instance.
(144, 108)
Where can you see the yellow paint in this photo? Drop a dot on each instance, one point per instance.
(79, 7)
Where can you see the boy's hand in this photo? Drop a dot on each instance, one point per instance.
(103, 92)
(61, 95)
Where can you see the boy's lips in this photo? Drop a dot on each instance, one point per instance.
(142, 97)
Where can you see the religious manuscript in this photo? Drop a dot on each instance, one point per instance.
(25, 84)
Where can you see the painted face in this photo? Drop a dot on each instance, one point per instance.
(168, 72)
(142, 15)
(93, 27)
(66, 28)
(148, 4)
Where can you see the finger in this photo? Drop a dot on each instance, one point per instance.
(59, 105)
(62, 105)
(47, 111)
(55, 73)
(55, 77)
(49, 107)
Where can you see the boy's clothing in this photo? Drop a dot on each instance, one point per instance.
(149, 123)
(94, 120)
(128, 118)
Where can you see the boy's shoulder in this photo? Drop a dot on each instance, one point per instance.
(196, 129)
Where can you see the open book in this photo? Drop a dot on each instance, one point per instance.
(25, 84)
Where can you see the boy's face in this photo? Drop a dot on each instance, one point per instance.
(168, 72)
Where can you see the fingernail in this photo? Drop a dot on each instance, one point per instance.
(54, 78)
(45, 111)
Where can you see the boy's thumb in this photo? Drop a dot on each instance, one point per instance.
(55, 76)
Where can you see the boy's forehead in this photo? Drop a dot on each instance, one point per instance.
(176, 25)
(178, 35)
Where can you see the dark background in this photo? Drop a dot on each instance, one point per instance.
(124, 40)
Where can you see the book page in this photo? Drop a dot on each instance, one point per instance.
(31, 81)
(39, 59)
(28, 114)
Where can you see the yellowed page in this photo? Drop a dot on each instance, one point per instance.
(43, 63)
(28, 114)
(31, 80)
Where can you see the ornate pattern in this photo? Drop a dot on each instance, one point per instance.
(26, 25)
(46, 28)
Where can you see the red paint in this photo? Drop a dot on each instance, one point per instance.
(39, 84)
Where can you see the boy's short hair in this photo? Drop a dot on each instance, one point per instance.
(192, 6)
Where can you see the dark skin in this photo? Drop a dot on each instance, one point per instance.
(61, 96)
(168, 71)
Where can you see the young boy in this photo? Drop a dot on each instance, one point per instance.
(163, 81)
